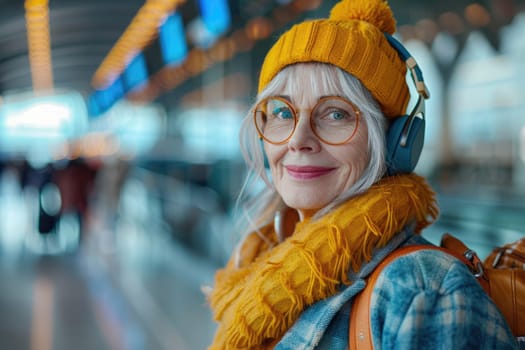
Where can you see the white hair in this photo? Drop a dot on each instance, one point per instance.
(257, 208)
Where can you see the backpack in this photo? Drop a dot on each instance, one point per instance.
(502, 276)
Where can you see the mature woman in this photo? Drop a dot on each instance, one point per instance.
(329, 90)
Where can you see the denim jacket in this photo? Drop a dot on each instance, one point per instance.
(424, 300)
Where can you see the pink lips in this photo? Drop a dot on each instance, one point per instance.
(306, 172)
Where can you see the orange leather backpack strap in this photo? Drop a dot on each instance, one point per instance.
(457, 248)
(359, 330)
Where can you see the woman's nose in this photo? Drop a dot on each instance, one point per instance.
(303, 138)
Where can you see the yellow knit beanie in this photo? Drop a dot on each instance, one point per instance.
(352, 39)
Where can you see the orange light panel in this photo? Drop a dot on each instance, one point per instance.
(39, 43)
(142, 30)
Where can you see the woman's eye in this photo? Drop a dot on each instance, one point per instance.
(283, 113)
(337, 115)
(334, 114)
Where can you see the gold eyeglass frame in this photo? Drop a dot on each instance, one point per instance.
(295, 115)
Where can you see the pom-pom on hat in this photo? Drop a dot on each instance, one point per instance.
(353, 39)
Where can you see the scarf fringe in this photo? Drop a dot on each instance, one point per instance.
(261, 300)
(342, 253)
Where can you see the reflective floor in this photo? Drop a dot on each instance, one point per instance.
(84, 300)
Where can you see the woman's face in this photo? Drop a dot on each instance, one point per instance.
(308, 173)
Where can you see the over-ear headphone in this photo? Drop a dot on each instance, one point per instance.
(406, 134)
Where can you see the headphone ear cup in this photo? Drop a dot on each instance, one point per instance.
(403, 159)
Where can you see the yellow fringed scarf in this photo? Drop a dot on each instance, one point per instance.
(256, 303)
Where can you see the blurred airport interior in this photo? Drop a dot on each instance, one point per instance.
(120, 163)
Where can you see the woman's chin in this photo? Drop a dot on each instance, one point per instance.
(306, 204)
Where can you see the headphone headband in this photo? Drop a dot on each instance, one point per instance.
(405, 135)
(415, 71)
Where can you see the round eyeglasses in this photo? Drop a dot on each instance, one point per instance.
(334, 120)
